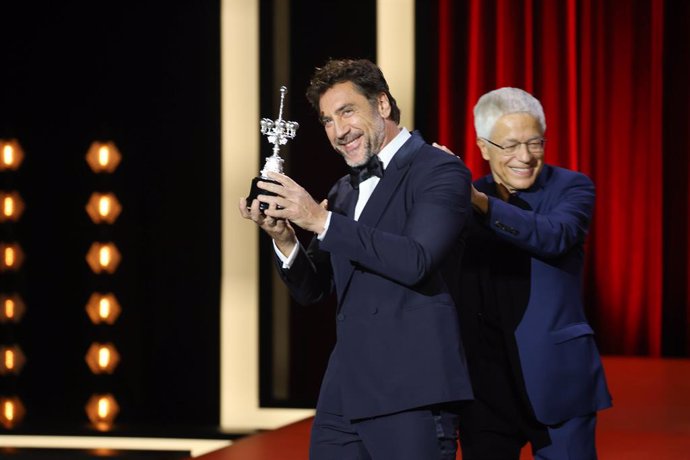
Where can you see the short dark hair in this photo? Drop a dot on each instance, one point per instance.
(364, 74)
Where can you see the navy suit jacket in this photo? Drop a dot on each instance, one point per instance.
(398, 341)
(544, 226)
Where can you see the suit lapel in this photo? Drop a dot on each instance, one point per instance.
(372, 212)
(392, 178)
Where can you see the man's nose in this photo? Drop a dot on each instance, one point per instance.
(341, 128)
(523, 154)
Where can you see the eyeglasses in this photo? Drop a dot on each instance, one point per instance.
(533, 145)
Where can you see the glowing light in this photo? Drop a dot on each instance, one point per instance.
(11, 308)
(8, 206)
(11, 154)
(103, 407)
(12, 360)
(9, 360)
(11, 206)
(8, 410)
(103, 257)
(102, 358)
(11, 411)
(103, 308)
(11, 256)
(103, 208)
(102, 410)
(7, 155)
(103, 157)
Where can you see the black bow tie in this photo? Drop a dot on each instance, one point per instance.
(373, 167)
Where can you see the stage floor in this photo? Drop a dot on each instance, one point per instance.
(650, 419)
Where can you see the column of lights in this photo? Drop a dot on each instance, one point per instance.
(103, 308)
(12, 307)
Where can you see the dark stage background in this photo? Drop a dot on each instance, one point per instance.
(146, 75)
(612, 75)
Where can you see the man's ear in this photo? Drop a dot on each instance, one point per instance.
(383, 105)
(483, 148)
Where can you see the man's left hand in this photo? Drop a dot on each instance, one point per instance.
(293, 203)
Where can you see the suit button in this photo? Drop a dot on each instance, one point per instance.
(341, 317)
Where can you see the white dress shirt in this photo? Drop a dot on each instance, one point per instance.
(366, 189)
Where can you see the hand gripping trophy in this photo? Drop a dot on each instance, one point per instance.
(278, 132)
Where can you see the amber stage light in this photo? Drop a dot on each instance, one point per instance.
(103, 157)
(11, 359)
(102, 410)
(103, 208)
(11, 257)
(11, 154)
(102, 358)
(103, 308)
(11, 411)
(11, 206)
(11, 308)
(103, 257)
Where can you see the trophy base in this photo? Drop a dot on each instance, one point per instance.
(256, 191)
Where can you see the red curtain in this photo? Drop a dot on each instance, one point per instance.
(599, 69)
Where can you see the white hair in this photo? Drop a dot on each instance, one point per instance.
(503, 101)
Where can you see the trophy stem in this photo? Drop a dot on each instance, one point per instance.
(278, 132)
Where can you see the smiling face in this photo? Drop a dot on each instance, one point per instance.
(517, 170)
(355, 128)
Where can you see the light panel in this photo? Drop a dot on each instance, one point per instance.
(103, 257)
(11, 257)
(11, 411)
(11, 206)
(103, 157)
(103, 208)
(102, 409)
(103, 308)
(11, 154)
(12, 360)
(102, 358)
(12, 308)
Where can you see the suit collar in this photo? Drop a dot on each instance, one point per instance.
(395, 172)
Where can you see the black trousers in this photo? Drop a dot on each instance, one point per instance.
(426, 433)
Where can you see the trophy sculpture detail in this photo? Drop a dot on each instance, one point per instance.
(278, 132)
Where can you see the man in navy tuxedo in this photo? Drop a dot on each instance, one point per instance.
(386, 239)
(535, 369)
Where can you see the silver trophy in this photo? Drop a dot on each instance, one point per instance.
(278, 132)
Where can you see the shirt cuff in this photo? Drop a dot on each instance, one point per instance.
(322, 235)
(287, 261)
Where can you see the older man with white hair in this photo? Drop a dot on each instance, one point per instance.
(534, 365)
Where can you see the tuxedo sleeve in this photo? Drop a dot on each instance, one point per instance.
(435, 205)
(309, 278)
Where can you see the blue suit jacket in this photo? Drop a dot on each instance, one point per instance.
(398, 342)
(556, 352)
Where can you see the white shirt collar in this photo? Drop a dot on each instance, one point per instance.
(388, 152)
